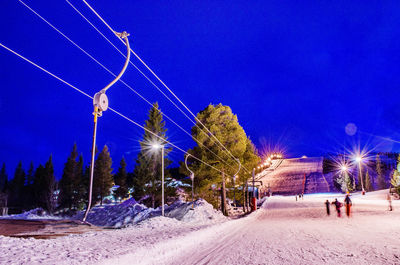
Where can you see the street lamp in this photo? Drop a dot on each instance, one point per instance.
(157, 146)
(234, 178)
(359, 159)
(192, 178)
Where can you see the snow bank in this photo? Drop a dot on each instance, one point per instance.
(120, 215)
(131, 212)
(202, 213)
(34, 214)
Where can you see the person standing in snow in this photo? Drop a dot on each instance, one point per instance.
(389, 199)
(348, 204)
(338, 205)
(296, 197)
(328, 210)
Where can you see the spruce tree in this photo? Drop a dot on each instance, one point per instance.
(120, 179)
(381, 177)
(3, 178)
(102, 177)
(45, 186)
(29, 188)
(79, 186)
(368, 182)
(67, 183)
(18, 187)
(147, 172)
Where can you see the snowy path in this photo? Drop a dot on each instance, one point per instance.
(282, 232)
(288, 232)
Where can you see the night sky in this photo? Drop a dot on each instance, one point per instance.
(295, 73)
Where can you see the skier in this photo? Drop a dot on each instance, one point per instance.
(348, 204)
(389, 199)
(296, 197)
(338, 205)
(328, 211)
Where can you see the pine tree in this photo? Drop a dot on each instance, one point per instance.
(368, 182)
(147, 172)
(68, 180)
(120, 179)
(102, 177)
(224, 125)
(3, 178)
(29, 188)
(18, 187)
(381, 178)
(80, 186)
(45, 186)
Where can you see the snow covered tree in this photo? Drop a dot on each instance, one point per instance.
(380, 176)
(344, 182)
(120, 179)
(102, 177)
(368, 182)
(147, 172)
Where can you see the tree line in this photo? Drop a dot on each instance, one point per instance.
(39, 188)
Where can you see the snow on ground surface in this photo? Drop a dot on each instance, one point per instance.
(283, 231)
(34, 214)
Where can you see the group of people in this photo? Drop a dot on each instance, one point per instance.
(338, 205)
(300, 196)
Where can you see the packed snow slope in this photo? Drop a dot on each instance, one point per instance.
(295, 176)
(283, 231)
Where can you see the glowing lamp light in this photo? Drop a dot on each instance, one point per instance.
(344, 168)
(358, 159)
(156, 146)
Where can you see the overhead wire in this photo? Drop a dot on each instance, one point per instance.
(90, 23)
(113, 110)
(109, 71)
(110, 28)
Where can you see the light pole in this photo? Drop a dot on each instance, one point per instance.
(359, 160)
(192, 178)
(234, 178)
(158, 146)
(100, 103)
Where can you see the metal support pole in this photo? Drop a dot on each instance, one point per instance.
(191, 177)
(100, 103)
(361, 178)
(234, 194)
(96, 110)
(254, 185)
(162, 180)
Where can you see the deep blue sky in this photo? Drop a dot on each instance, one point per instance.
(295, 73)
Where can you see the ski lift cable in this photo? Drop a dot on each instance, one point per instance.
(109, 71)
(201, 144)
(113, 110)
(180, 101)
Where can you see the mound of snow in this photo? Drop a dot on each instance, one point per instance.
(37, 213)
(203, 213)
(131, 212)
(118, 215)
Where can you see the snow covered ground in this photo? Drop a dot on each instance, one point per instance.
(283, 231)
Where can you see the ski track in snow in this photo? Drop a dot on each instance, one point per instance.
(283, 231)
